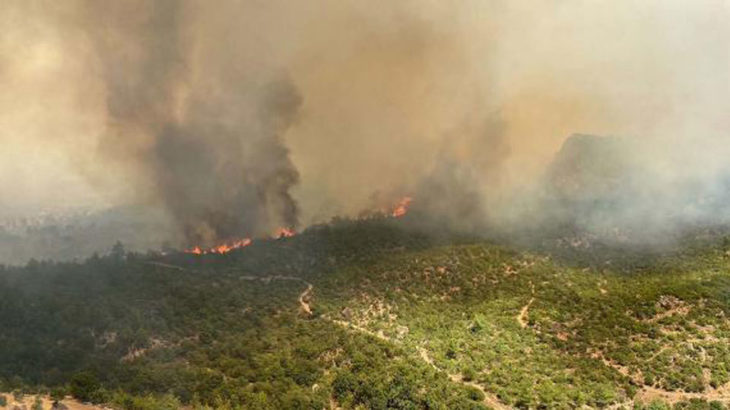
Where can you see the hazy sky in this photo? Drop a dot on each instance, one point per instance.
(388, 89)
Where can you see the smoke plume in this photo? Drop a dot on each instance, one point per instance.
(238, 117)
(213, 154)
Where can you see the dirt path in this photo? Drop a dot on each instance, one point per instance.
(489, 399)
(522, 316)
(647, 394)
(636, 378)
(304, 300)
(680, 310)
(303, 297)
(673, 306)
(47, 404)
(349, 325)
(168, 266)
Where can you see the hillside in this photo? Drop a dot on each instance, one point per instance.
(369, 314)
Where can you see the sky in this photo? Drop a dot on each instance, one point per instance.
(378, 99)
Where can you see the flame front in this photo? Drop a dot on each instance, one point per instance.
(285, 233)
(401, 208)
(222, 248)
(397, 211)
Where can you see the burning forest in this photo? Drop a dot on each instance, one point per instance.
(396, 211)
(226, 127)
(346, 205)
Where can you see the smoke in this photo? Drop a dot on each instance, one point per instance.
(243, 116)
(212, 154)
(604, 186)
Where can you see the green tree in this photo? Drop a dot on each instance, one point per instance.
(57, 395)
(118, 252)
(83, 385)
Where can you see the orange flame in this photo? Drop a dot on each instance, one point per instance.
(222, 248)
(397, 211)
(401, 208)
(285, 233)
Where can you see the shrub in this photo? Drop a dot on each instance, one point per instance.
(475, 394)
(58, 394)
(83, 385)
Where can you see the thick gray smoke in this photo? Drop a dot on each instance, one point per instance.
(237, 117)
(223, 181)
(602, 186)
(214, 156)
(464, 183)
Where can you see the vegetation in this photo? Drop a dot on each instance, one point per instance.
(368, 314)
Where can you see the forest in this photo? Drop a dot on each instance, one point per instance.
(373, 314)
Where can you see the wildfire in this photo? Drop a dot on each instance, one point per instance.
(222, 248)
(285, 233)
(397, 211)
(401, 208)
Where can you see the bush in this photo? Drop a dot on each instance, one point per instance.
(58, 394)
(469, 374)
(716, 405)
(475, 394)
(344, 383)
(84, 385)
(657, 405)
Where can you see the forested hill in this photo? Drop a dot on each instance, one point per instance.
(367, 314)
